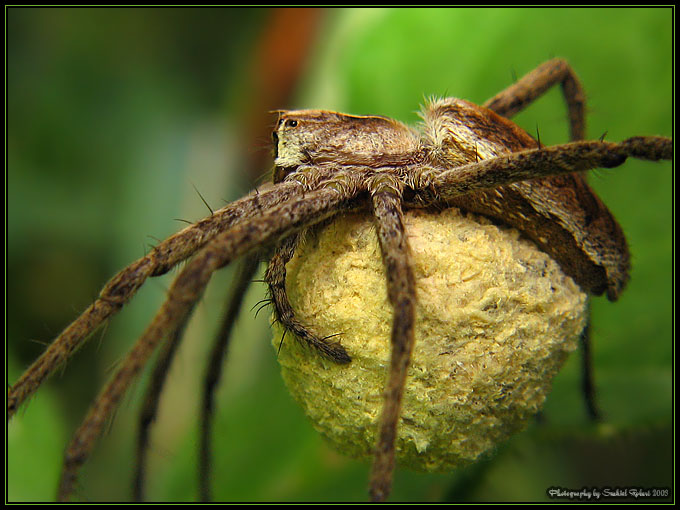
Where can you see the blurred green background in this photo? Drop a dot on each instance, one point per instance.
(115, 115)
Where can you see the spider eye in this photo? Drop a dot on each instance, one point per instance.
(291, 123)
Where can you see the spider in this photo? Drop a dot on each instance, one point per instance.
(329, 163)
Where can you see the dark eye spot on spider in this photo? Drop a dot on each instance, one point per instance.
(291, 123)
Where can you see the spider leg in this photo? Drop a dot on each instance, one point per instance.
(276, 279)
(271, 225)
(149, 408)
(158, 377)
(534, 84)
(387, 199)
(105, 404)
(536, 163)
(120, 289)
(214, 371)
(587, 381)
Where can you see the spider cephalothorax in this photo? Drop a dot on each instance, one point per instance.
(329, 163)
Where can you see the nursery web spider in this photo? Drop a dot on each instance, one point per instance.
(327, 163)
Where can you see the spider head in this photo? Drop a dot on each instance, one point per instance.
(317, 137)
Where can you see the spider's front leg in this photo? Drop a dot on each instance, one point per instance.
(122, 287)
(251, 233)
(275, 277)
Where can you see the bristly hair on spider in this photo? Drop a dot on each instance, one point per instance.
(332, 166)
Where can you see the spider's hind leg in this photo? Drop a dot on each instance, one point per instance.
(536, 83)
(587, 376)
(275, 277)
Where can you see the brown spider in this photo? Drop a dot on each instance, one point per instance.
(328, 163)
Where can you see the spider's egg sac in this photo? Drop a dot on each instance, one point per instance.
(495, 319)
